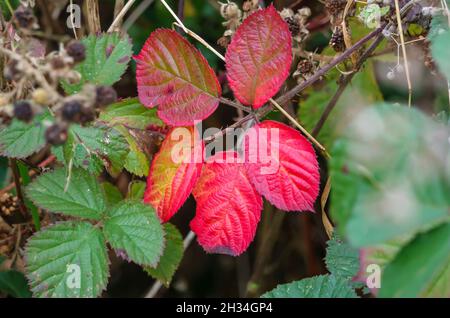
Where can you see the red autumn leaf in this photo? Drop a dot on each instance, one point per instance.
(173, 75)
(259, 57)
(174, 171)
(282, 166)
(228, 207)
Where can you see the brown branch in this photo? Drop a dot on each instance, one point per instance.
(118, 6)
(321, 72)
(345, 80)
(93, 16)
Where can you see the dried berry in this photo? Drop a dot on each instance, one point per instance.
(76, 50)
(71, 111)
(57, 63)
(105, 95)
(12, 71)
(56, 134)
(305, 67)
(23, 110)
(337, 41)
(223, 41)
(24, 17)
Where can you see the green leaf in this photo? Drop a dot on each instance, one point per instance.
(136, 161)
(134, 228)
(323, 286)
(362, 91)
(171, 258)
(107, 58)
(136, 190)
(14, 283)
(380, 197)
(131, 113)
(84, 196)
(103, 142)
(440, 46)
(112, 194)
(341, 259)
(421, 268)
(20, 139)
(55, 255)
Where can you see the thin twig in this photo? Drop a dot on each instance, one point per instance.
(405, 56)
(235, 105)
(119, 16)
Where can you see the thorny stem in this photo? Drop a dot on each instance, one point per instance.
(345, 80)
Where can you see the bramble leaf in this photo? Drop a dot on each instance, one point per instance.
(56, 255)
(136, 190)
(421, 268)
(259, 57)
(341, 259)
(323, 286)
(228, 206)
(171, 258)
(282, 165)
(133, 227)
(132, 113)
(102, 142)
(107, 58)
(173, 75)
(84, 196)
(440, 45)
(380, 197)
(19, 139)
(174, 171)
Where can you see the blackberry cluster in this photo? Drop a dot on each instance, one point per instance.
(337, 41)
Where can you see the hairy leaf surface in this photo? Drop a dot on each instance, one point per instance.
(259, 57)
(173, 75)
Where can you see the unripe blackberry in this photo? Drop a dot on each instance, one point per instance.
(76, 50)
(56, 134)
(105, 95)
(24, 17)
(337, 41)
(23, 110)
(71, 111)
(40, 96)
